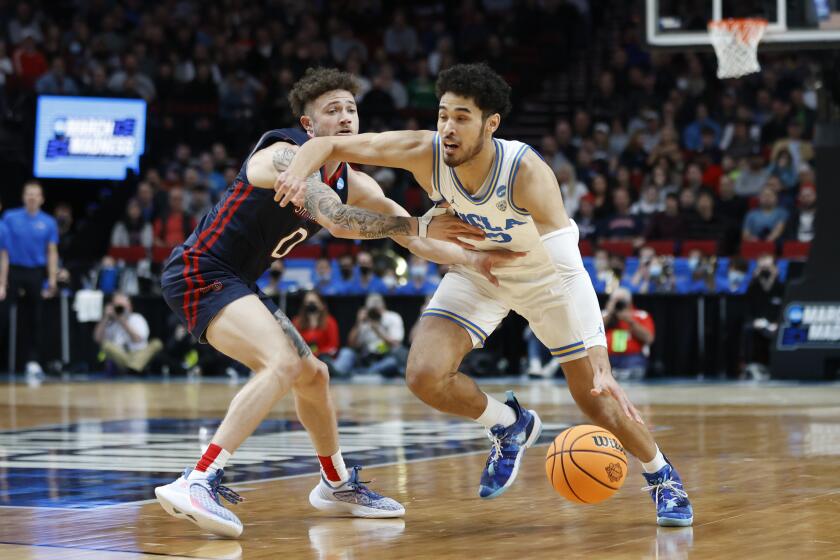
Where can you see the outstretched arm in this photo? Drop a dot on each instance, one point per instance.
(342, 220)
(405, 149)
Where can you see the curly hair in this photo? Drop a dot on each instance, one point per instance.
(315, 83)
(478, 82)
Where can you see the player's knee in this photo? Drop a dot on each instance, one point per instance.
(316, 376)
(423, 378)
(285, 368)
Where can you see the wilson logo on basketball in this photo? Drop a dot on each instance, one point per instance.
(601, 441)
(614, 472)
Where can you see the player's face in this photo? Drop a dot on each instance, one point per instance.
(462, 129)
(334, 114)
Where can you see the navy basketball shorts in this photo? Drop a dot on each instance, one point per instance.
(198, 287)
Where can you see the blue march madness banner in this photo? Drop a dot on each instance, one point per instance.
(810, 325)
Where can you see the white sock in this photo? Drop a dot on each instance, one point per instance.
(213, 459)
(334, 462)
(656, 463)
(496, 413)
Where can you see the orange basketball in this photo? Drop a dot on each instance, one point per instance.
(586, 464)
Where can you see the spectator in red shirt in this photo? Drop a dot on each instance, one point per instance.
(29, 63)
(174, 225)
(317, 327)
(630, 332)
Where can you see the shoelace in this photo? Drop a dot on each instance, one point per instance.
(496, 452)
(669, 484)
(225, 492)
(357, 485)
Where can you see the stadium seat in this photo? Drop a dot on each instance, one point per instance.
(335, 250)
(305, 251)
(754, 249)
(705, 246)
(623, 248)
(160, 254)
(661, 246)
(129, 255)
(796, 250)
(585, 248)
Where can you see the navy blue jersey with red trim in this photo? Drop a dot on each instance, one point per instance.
(246, 230)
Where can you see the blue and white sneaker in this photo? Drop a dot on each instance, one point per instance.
(354, 498)
(509, 444)
(672, 506)
(198, 501)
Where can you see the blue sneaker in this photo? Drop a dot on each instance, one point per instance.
(509, 444)
(672, 506)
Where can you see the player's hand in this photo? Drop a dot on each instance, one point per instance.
(605, 384)
(289, 189)
(49, 291)
(453, 229)
(484, 261)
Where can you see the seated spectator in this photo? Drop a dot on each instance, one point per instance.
(707, 224)
(648, 205)
(783, 168)
(654, 275)
(375, 341)
(702, 275)
(124, 336)
(585, 217)
(693, 133)
(630, 332)
(667, 224)
(800, 150)
(730, 207)
(621, 224)
(323, 282)
(365, 280)
(132, 229)
(56, 81)
(802, 223)
(600, 197)
(174, 225)
(571, 189)
(765, 296)
(419, 283)
(752, 175)
(316, 326)
(276, 284)
(767, 222)
(741, 143)
(201, 201)
(735, 280)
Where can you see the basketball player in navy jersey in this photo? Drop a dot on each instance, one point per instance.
(505, 188)
(209, 282)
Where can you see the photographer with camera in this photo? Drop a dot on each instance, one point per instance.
(375, 341)
(123, 336)
(655, 274)
(630, 332)
(316, 326)
(765, 296)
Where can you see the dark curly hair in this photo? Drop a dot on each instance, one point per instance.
(480, 83)
(315, 83)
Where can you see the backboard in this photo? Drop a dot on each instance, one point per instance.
(791, 23)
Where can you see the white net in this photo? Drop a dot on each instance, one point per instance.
(736, 45)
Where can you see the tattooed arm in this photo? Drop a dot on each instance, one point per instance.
(342, 220)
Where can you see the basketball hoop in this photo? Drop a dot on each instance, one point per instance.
(736, 45)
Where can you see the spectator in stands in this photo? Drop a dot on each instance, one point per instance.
(693, 133)
(29, 62)
(784, 169)
(24, 24)
(375, 341)
(752, 175)
(707, 224)
(201, 201)
(550, 152)
(366, 280)
(323, 282)
(400, 38)
(622, 224)
(571, 189)
(802, 223)
(56, 81)
(767, 222)
(123, 336)
(316, 326)
(132, 229)
(667, 224)
(32, 246)
(648, 205)
(634, 156)
(600, 197)
(693, 177)
(174, 224)
(668, 148)
(585, 218)
(701, 279)
(775, 127)
(565, 144)
(765, 295)
(276, 283)
(739, 143)
(654, 274)
(801, 150)
(146, 200)
(630, 332)
(131, 81)
(730, 207)
(419, 283)
(736, 279)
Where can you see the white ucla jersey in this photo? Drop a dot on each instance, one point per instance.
(491, 208)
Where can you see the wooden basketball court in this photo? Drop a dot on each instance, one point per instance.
(78, 463)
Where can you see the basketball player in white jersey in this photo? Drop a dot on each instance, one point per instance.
(507, 190)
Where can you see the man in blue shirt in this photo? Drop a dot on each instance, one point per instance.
(32, 248)
(767, 222)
